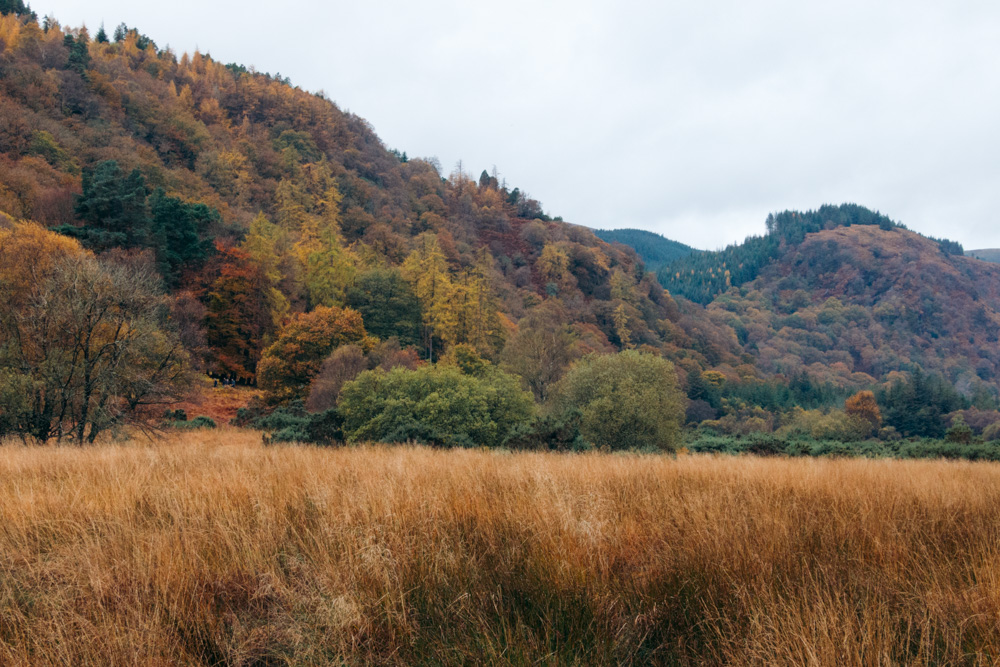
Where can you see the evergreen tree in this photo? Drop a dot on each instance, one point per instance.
(79, 54)
(17, 8)
(387, 304)
(177, 231)
(112, 208)
(917, 407)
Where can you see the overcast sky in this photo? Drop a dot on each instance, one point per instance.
(691, 119)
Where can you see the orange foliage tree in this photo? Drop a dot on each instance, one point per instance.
(864, 406)
(239, 316)
(290, 364)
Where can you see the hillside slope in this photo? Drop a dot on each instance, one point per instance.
(855, 304)
(257, 200)
(654, 250)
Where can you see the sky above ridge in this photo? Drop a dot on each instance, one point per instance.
(690, 119)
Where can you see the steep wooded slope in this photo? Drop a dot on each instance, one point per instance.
(258, 200)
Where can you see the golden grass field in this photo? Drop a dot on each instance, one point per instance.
(208, 548)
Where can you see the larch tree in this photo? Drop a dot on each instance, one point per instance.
(329, 268)
(262, 244)
(427, 270)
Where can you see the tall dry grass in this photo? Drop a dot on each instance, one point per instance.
(211, 549)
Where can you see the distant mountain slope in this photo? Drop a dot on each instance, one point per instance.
(702, 276)
(654, 249)
(854, 304)
(985, 254)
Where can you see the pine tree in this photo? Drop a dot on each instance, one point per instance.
(113, 209)
(177, 230)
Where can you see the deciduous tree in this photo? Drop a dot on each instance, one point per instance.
(627, 400)
(293, 360)
(84, 342)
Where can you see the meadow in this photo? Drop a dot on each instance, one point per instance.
(209, 548)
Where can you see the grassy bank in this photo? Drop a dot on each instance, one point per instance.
(211, 549)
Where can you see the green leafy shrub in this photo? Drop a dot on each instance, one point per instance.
(932, 449)
(628, 400)
(764, 444)
(715, 444)
(200, 421)
(292, 423)
(437, 405)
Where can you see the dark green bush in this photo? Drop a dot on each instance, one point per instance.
(764, 444)
(932, 449)
(292, 423)
(201, 421)
(959, 433)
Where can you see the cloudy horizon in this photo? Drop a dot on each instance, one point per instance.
(694, 122)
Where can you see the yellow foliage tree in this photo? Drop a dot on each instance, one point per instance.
(553, 264)
(427, 270)
(329, 268)
(262, 243)
(479, 313)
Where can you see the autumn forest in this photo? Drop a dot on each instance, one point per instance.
(171, 224)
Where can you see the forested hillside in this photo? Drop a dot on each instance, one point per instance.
(218, 171)
(702, 276)
(258, 234)
(270, 217)
(856, 304)
(654, 250)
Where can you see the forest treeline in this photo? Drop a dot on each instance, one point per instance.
(165, 217)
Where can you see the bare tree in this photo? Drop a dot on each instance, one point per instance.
(89, 343)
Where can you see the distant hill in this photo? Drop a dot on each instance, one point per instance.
(700, 277)
(654, 249)
(854, 304)
(985, 254)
